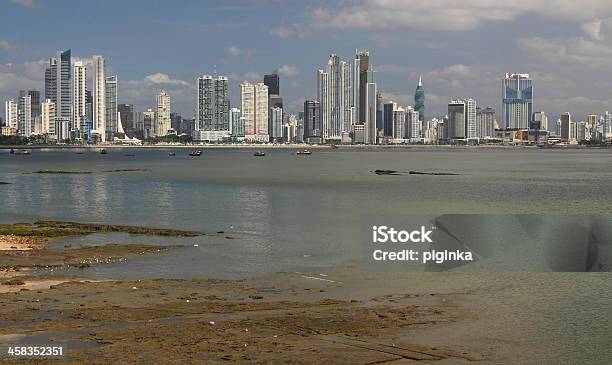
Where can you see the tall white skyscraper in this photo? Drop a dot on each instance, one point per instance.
(162, 114)
(261, 112)
(247, 108)
(470, 121)
(212, 112)
(79, 95)
(99, 98)
(276, 130)
(24, 111)
(415, 125)
(11, 116)
(607, 124)
(370, 131)
(335, 95)
(48, 117)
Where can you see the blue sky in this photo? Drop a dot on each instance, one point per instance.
(462, 48)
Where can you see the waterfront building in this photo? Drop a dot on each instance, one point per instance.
(24, 111)
(11, 116)
(99, 99)
(128, 120)
(148, 123)
(261, 113)
(162, 115)
(58, 83)
(247, 108)
(388, 114)
(399, 124)
(334, 94)
(370, 130)
(458, 119)
(566, 132)
(79, 96)
(237, 123)
(419, 100)
(517, 101)
(213, 108)
(312, 121)
(112, 124)
(485, 122)
(414, 125)
(276, 125)
(48, 117)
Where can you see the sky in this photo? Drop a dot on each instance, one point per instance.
(461, 48)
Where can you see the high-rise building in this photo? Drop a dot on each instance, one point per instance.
(148, 123)
(262, 113)
(79, 95)
(24, 110)
(162, 114)
(312, 121)
(212, 112)
(273, 83)
(399, 123)
(237, 123)
(419, 100)
(247, 108)
(485, 122)
(126, 112)
(276, 125)
(361, 73)
(48, 117)
(607, 124)
(334, 94)
(35, 101)
(11, 115)
(566, 126)
(388, 115)
(517, 101)
(371, 107)
(415, 126)
(539, 121)
(462, 119)
(112, 123)
(99, 99)
(58, 84)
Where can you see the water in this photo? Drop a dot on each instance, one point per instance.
(287, 212)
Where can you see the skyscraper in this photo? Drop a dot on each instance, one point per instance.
(276, 125)
(212, 112)
(237, 123)
(419, 100)
(24, 111)
(273, 83)
(48, 117)
(566, 126)
(99, 99)
(79, 95)
(539, 121)
(388, 118)
(312, 121)
(58, 84)
(361, 72)
(334, 93)
(11, 116)
(415, 126)
(112, 123)
(462, 119)
(261, 113)
(370, 130)
(126, 112)
(162, 114)
(485, 122)
(517, 101)
(247, 108)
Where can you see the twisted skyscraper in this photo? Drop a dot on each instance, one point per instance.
(419, 100)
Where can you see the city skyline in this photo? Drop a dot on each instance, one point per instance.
(559, 53)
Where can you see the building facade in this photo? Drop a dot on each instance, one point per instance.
(162, 115)
(517, 101)
(213, 108)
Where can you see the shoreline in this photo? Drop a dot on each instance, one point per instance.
(306, 146)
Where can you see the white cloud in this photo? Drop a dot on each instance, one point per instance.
(234, 51)
(450, 15)
(569, 52)
(6, 46)
(287, 70)
(159, 79)
(27, 3)
(252, 75)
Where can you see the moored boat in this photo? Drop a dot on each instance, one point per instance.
(259, 154)
(195, 153)
(303, 152)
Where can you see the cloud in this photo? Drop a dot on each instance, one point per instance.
(287, 70)
(252, 75)
(6, 46)
(450, 15)
(160, 79)
(569, 52)
(27, 3)
(234, 51)
(290, 31)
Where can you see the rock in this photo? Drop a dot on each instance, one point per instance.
(386, 172)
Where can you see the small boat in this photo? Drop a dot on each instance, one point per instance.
(303, 152)
(195, 153)
(103, 151)
(172, 154)
(22, 152)
(259, 154)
